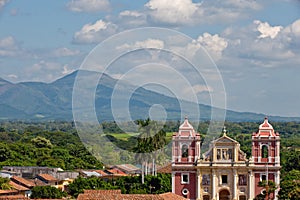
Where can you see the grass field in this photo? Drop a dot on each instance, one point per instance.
(126, 136)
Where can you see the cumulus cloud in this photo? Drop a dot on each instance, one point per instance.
(64, 52)
(266, 30)
(291, 34)
(93, 33)
(88, 5)
(186, 12)
(149, 43)
(214, 44)
(262, 45)
(172, 11)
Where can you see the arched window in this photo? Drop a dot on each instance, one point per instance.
(264, 151)
(185, 151)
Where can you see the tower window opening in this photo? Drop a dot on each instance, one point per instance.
(185, 151)
(264, 151)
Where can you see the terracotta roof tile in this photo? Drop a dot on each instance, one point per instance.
(8, 191)
(167, 169)
(171, 196)
(101, 172)
(18, 187)
(47, 177)
(116, 195)
(23, 181)
(18, 197)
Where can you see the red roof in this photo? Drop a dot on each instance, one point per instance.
(101, 172)
(23, 181)
(18, 197)
(116, 195)
(167, 169)
(18, 187)
(265, 130)
(116, 171)
(47, 177)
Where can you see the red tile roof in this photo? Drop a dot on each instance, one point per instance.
(18, 187)
(23, 181)
(18, 197)
(8, 191)
(171, 196)
(167, 169)
(101, 172)
(47, 177)
(116, 171)
(116, 195)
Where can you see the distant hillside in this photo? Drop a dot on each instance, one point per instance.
(53, 101)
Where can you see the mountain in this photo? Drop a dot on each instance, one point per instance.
(53, 101)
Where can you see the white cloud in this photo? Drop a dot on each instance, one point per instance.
(3, 3)
(266, 30)
(172, 11)
(88, 5)
(201, 88)
(8, 43)
(214, 44)
(128, 13)
(185, 12)
(66, 70)
(243, 4)
(132, 18)
(64, 52)
(12, 76)
(269, 47)
(93, 33)
(9, 47)
(149, 43)
(291, 34)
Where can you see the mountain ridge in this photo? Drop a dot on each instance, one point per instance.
(53, 101)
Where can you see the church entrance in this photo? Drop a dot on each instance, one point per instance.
(224, 195)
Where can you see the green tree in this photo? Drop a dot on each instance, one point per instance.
(290, 186)
(269, 186)
(41, 142)
(46, 192)
(4, 184)
(92, 183)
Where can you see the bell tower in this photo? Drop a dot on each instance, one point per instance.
(266, 156)
(185, 153)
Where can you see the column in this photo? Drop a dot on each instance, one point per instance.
(198, 185)
(173, 182)
(277, 154)
(213, 189)
(277, 182)
(251, 185)
(235, 177)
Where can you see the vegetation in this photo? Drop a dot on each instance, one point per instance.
(48, 192)
(290, 185)
(4, 184)
(128, 184)
(48, 144)
(56, 144)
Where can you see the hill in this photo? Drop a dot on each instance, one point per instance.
(53, 101)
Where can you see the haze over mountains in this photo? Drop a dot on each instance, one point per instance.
(53, 101)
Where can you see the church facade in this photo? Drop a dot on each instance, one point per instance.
(224, 172)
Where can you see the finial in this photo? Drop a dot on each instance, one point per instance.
(186, 117)
(266, 118)
(224, 131)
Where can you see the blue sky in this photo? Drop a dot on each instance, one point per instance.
(255, 44)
